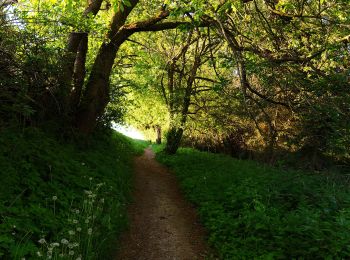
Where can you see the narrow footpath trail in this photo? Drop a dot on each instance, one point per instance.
(162, 224)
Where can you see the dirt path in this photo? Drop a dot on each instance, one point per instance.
(162, 224)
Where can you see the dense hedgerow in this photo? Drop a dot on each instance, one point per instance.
(62, 199)
(253, 211)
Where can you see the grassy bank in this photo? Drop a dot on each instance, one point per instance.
(63, 199)
(255, 211)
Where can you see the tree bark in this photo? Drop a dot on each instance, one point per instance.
(79, 73)
(159, 134)
(177, 124)
(69, 59)
(96, 95)
(71, 56)
(174, 137)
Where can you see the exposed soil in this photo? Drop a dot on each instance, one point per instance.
(162, 224)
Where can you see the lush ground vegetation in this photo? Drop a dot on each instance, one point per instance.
(258, 79)
(63, 199)
(253, 211)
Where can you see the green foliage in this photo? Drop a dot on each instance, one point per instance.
(52, 191)
(254, 211)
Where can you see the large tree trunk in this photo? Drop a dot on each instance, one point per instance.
(177, 124)
(77, 41)
(174, 137)
(96, 95)
(79, 73)
(176, 129)
(69, 60)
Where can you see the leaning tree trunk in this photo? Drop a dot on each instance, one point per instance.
(96, 95)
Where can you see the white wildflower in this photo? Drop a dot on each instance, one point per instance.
(64, 241)
(71, 232)
(75, 244)
(42, 241)
(87, 221)
(90, 178)
(54, 197)
(39, 254)
(89, 231)
(75, 221)
(71, 252)
(78, 229)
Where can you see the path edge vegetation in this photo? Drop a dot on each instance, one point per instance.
(255, 211)
(63, 198)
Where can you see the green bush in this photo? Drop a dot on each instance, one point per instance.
(59, 197)
(255, 211)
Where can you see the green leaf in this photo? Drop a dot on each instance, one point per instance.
(127, 3)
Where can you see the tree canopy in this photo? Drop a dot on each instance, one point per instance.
(245, 77)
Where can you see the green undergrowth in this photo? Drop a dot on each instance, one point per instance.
(63, 199)
(253, 211)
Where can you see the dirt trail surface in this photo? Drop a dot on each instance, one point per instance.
(162, 224)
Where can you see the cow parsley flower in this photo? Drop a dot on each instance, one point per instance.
(42, 241)
(64, 241)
